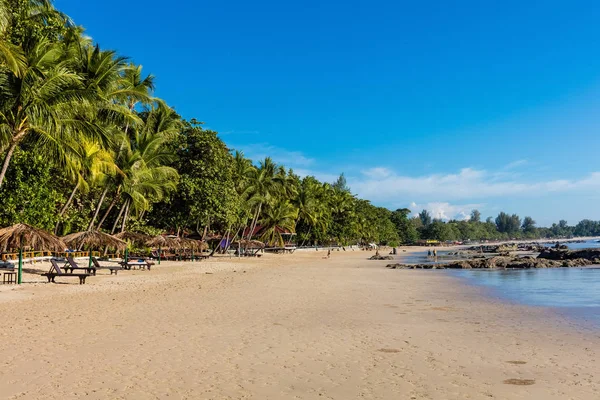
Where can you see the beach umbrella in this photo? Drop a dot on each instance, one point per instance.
(133, 237)
(93, 239)
(193, 244)
(23, 235)
(161, 241)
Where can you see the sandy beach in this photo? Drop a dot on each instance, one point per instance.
(285, 327)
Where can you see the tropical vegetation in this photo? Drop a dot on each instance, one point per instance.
(85, 145)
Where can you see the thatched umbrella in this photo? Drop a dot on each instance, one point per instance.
(248, 244)
(134, 237)
(161, 241)
(193, 244)
(92, 239)
(23, 235)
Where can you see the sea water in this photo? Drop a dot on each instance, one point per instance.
(574, 291)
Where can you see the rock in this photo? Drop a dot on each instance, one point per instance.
(498, 262)
(380, 257)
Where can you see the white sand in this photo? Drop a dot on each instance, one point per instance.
(290, 327)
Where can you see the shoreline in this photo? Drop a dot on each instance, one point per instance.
(289, 326)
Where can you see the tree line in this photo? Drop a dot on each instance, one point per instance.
(504, 227)
(86, 145)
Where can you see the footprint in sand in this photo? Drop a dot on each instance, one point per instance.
(389, 350)
(390, 306)
(517, 362)
(519, 382)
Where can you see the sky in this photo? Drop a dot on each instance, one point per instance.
(445, 106)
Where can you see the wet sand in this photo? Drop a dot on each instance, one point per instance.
(285, 327)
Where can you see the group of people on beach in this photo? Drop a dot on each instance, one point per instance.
(434, 253)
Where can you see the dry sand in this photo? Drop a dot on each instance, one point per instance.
(285, 327)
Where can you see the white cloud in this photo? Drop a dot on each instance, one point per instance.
(377, 172)
(445, 211)
(258, 151)
(515, 164)
(322, 176)
(468, 184)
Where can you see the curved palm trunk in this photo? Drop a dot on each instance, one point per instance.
(114, 227)
(125, 216)
(91, 225)
(15, 142)
(254, 221)
(65, 207)
(108, 210)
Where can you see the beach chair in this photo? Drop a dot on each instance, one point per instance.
(140, 263)
(71, 265)
(113, 269)
(56, 271)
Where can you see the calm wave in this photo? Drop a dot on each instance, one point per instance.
(574, 291)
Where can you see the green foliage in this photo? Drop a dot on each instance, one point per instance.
(205, 193)
(30, 194)
(85, 145)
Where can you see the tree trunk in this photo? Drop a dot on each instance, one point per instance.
(125, 216)
(15, 142)
(114, 228)
(110, 206)
(254, 221)
(91, 225)
(64, 209)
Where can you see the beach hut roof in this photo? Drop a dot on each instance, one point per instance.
(135, 237)
(23, 235)
(169, 241)
(249, 244)
(91, 239)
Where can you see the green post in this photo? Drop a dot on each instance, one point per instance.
(20, 271)
(126, 254)
(159, 255)
(90, 260)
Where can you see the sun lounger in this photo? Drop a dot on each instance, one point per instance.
(73, 266)
(113, 268)
(141, 264)
(56, 271)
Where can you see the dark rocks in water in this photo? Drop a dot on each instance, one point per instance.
(380, 257)
(499, 262)
(562, 254)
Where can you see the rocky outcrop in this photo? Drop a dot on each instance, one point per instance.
(380, 257)
(499, 262)
(593, 255)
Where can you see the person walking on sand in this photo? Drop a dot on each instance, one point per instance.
(328, 253)
(428, 253)
(434, 252)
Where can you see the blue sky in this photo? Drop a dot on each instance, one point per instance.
(438, 105)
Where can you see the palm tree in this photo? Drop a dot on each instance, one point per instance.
(41, 106)
(142, 156)
(90, 168)
(278, 218)
(263, 183)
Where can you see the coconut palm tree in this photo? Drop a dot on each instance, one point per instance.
(92, 166)
(263, 184)
(41, 105)
(142, 156)
(276, 219)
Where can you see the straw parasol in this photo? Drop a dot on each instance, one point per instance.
(161, 241)
(91, 239)
(165, 241)
(134, 237)
(23, 235)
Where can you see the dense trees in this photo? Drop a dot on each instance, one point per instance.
(84, 144)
